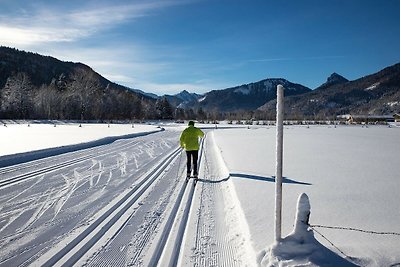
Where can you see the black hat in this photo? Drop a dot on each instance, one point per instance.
(191, 123)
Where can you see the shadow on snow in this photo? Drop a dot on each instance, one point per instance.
(252, 177)
(266, 179)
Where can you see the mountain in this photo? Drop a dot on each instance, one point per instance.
(151, 95)
(246, 97)
(333, 80)
(376, 94)
(33, 86)
(185, 96)
(182, 99)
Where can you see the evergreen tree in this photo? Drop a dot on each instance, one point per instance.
(164, 109)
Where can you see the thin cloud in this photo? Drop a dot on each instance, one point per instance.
(55, 32)
(18, 36)
(268, 60)
(110, 62)
(293, 59)
(49, 25)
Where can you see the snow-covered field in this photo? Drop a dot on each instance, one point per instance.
(22, 137)
(124, 202)
(350, 174)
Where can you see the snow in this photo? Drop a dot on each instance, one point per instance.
(391, 104)
(18, 138)
(348, 172)
(344, 176)
(372, 87)
(243, 90)
(202, 99)
(269, 84)
(300, 247)
(22, 142)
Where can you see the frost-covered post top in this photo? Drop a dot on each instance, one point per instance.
(303, 215)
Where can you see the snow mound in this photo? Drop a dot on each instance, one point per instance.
(300, 248)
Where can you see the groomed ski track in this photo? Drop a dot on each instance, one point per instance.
(157, 220)
(220, 236)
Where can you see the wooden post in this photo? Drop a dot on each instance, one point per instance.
(279, 161)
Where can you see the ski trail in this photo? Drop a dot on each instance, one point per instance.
(205, 251)
(219, 235)
(150, 150)
(25, 190)
(12, 218)
(78, 177)
(164, 143)
(46, 204)
(40, 209)
(94, 163)
(61, 196)
(67, 181)
(52, 218)
(108, 181)
(122, 161)
(135, 161)
(100, 172)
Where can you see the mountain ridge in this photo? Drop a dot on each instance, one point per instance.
(42, 87)
(377, 94)
(246, 97)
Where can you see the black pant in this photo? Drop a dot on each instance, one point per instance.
(192, 155)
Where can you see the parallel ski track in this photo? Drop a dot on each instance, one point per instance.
(124, 204)
(134, 245)
(172, 219)
(76, 158)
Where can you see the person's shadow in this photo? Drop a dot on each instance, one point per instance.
(252, 177)
(207, 181)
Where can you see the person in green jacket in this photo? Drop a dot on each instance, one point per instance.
(189, 140)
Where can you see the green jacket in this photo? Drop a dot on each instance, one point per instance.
(190, 138)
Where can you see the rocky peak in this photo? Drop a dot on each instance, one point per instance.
(336, 78)
(186, 96)
(333, 79)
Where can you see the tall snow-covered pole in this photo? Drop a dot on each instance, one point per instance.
(279, 161)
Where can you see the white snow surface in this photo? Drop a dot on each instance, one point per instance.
(243, 90)
(391, 104)
(19, 138)
(372, 87)
(349, 173)
(202, 99)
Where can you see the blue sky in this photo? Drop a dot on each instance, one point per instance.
(165, 46)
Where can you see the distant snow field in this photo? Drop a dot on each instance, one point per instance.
(19, 138)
